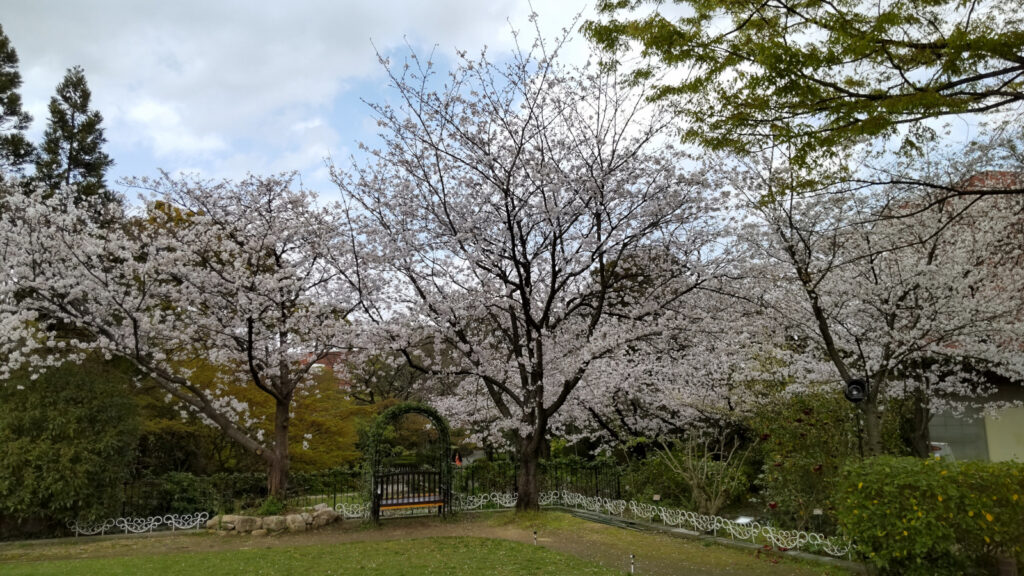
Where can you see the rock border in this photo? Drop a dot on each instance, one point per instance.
(318, 517)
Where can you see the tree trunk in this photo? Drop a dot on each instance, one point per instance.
(872, 426)
(920, 440)
(528, 479)
(278, 460)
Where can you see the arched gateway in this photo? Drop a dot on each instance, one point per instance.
(423, 480)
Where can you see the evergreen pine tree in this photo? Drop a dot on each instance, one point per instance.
(15, 149)
(71, 153)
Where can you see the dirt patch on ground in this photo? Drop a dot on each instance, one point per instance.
(656, 554)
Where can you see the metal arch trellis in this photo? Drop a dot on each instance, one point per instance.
(442, 495)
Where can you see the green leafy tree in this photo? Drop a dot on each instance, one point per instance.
(72, 150)
(15, 149)
(67, 441)
(819, 74)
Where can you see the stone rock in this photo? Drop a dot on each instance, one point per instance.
(248, 523)
(324, 517)
(260, 532)
(321, 506)
(296, 523)
(307, 517)
(275, 523)
(225, 522)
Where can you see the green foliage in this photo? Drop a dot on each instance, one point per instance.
(804, 442)
(929, 517)
(15, 149)
(175, 493)
(712, 465)
(171, 441)
(485, 476)
(652, 477)
(67, 440)
(271, 507)
(71, 152)
(324, 431)
(383, 427)
(185, 493)
(817, 75)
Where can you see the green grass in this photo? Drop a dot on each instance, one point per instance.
(455, 556)
(468, 544)
(657, 553)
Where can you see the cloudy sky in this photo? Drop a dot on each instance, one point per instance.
(227, 87)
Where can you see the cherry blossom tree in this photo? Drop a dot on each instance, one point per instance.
(692, 379)
(247, 277)
(512, 212)
(886, 285)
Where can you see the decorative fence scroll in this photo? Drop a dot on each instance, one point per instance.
(134, 525)
(754, 532)
(356, 510)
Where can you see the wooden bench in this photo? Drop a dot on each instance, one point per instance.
(416, 501)
(410, 489)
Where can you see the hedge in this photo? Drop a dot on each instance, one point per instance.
(929, 517)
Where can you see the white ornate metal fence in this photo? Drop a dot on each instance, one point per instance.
(136, 525)
(752, 531)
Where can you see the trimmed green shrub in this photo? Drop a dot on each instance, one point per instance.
(67, 440)
(930, 517)
(271, 507)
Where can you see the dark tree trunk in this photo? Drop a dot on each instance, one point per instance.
(278, 460)
(528, 479)
(920, 438)
(872, 425)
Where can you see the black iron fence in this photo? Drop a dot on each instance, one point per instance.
(602, 480)
(589, 479)
(331, 487)
(183, 493)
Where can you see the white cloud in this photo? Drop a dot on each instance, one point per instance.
(210, 84)
(161, 126)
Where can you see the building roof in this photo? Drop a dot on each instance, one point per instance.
(994, 180)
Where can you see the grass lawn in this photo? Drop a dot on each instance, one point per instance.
(468, 545)
(451, 555)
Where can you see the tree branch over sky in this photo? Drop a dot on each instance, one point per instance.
(816, 74)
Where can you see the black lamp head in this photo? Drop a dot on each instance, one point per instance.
(856, 390)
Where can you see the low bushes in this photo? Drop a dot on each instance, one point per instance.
(803, 442)
(929, 517)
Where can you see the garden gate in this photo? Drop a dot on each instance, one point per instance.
(404, 483)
